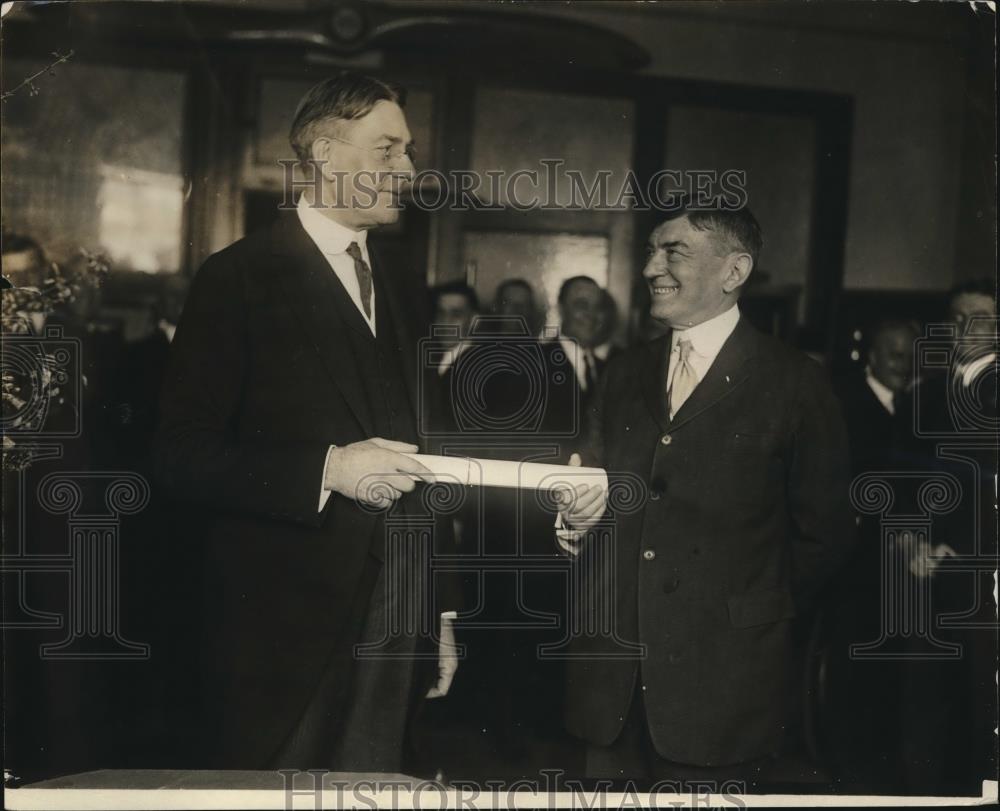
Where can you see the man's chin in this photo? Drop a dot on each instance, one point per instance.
(662, 314)
(387, 215)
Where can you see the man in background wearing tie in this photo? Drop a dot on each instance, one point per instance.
(742, 447)
(948, 744)
(288, 405)
(876, 400)
(580, 302)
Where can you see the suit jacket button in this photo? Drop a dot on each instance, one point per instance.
(666, 439)
(649, 554)
(654, 495)
(671, 586)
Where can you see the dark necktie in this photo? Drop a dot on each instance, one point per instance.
(364, 274)
(590, 371)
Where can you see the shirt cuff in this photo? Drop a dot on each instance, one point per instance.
(324, 494)
(567, 537)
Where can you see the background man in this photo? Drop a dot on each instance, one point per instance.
(949, 743)
(23, 261)
(582, 316)
(863, 694)
(515, 298)
(288, 403)
(743, 450)
(875, 403)
(454, 305)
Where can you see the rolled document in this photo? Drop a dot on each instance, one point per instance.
(500, 473)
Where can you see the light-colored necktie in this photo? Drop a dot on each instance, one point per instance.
(684, 379)
(364, 274)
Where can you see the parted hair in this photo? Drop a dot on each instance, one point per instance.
(344, 97)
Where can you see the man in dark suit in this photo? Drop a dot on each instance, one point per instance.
(742, 448)
(515, 298)
(288, 405)
(863, 727)
(876, 399)
(581, 315)
(948, 744)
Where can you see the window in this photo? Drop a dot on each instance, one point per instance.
(94, 160)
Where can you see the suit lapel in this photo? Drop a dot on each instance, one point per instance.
(653, 374)
(325, 310)
(728, 371)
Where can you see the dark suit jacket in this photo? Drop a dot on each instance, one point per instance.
(261, 380)
(746, 517)
(877, 438)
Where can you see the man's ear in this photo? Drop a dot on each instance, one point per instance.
(739, 267)
(322, 155)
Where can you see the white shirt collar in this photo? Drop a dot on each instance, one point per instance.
(576, 355)
(880, 390)
(708, 337)
(970, 371)
(451, 356)
(330, 237)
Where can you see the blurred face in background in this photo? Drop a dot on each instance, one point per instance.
(454, 310)
(580, 312)
(24, 268)
(966, 306)
(891, 357)
(516, 300)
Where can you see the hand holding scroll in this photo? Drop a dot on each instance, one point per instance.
(376, 471)
(585, 505)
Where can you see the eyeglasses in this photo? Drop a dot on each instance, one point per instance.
(386, 154)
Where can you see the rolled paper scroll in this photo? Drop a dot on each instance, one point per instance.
(468, 471)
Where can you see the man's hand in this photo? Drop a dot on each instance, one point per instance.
(924, 559)
(447, 659)
(374, 471)
(585, 504)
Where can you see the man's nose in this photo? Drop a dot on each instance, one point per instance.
(403, 165)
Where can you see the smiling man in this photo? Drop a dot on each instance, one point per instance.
(743, 450)
(288, 406)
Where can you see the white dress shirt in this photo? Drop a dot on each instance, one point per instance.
(332, 239)
(577, 358)
(706, 340)
(881, 391)
(451, 356)
(970, 371)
